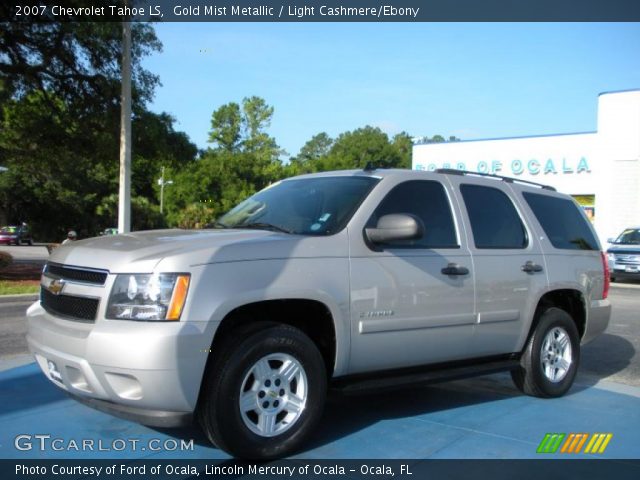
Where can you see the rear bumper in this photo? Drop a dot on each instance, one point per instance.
(598, 317)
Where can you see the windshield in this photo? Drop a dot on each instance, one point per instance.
(308, 206)
(8, 230)
(630, 236)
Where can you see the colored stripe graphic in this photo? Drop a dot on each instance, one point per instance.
(598, 443)
(550, 443)
(574, 443)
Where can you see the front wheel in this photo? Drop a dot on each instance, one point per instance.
(550, 361)
(264, 395)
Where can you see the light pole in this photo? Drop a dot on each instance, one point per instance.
(162, 182)
(124, 195)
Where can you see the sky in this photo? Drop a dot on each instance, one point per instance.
(470, 80)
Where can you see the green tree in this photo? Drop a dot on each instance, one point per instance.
(243, 159)
(145, 214)
(356, 149)
(403, 143)
(226, 126)
(317, 147)
(59, 126)
(77, 62)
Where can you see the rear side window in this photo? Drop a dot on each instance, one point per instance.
(495, 222)
(562, 222)
(428, 201)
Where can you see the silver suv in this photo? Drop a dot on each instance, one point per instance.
(355, 280)
(624, 255)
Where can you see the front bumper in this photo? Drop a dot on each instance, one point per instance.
(144, 371)
(624, 274)
(624, 265)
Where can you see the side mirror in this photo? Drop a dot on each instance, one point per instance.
(611, 240)
(395, 227)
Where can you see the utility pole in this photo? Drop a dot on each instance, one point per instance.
(124, 197)
(162, 183)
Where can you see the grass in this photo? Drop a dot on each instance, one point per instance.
(14, 287)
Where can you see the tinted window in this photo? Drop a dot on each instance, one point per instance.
(562, 222)
(426, 200)
(630, 236)
(494, 220)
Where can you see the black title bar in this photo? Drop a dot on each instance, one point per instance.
(322, 10)
(301, 469)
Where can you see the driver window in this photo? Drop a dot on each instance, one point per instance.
(428, 201)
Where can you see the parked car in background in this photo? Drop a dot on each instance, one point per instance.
(109, 231)
(14, 235)
(624, 254)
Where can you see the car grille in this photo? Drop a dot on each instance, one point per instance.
(627, 259)
(69, 306)
(77, 274)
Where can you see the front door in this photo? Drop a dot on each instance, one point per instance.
(412, 302)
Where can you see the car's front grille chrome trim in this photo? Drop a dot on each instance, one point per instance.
(91, 276)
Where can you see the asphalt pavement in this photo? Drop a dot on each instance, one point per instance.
(24, 253)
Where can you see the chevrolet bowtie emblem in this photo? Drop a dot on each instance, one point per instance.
(56, 286)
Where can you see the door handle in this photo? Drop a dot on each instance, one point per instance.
(455, 269)
(531, 267)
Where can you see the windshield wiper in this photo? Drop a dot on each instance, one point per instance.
(264, 226)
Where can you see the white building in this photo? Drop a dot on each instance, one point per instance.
(601, 169)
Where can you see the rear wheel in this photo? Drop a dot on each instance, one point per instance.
(550, 361)
(264, 395)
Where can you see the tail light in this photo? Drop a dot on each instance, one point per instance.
(607, 275)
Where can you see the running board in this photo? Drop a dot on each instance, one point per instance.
(394, 379)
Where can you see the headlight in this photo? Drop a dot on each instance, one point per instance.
(159, 296)
(611, 256)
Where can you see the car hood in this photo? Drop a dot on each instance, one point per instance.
(628, 249)
(142, 251)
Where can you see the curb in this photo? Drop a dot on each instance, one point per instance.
(18, 297)
(624, 285)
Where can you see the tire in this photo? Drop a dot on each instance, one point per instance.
(612, 279)
(550, 360)
(263, 394)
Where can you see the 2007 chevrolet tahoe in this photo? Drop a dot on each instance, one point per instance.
(353, 279)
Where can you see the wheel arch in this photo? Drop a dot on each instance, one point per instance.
(312, 317)
(570, 300)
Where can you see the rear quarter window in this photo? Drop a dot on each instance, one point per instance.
(562, 222)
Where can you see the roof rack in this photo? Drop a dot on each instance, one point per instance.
(453, 171)
(369, 167)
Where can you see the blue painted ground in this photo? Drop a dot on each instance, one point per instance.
(478, 419)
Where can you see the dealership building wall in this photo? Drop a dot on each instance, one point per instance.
(600, 169)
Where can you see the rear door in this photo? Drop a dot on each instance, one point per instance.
(508, 263)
